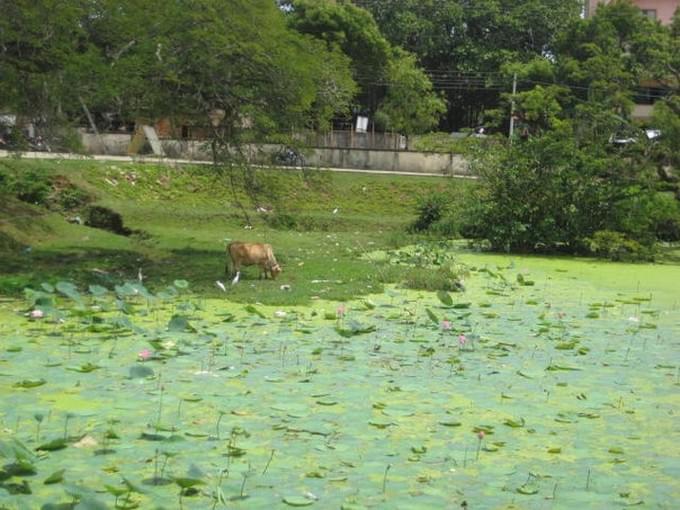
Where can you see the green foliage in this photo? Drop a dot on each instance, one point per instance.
(464, 44)
(411, 106)
(98, 216)
(439, 142)
(443, 278)
(430, 209)
(549, 194)
(70, 197)
(58, 59)
(392, 85)
(617, 246)
(32, 186)
(666, 117)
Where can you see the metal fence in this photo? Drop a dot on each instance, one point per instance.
(348, 139)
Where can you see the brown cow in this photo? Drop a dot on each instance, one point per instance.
(251, 254)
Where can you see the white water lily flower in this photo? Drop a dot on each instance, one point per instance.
(633, 319)
(280, 314)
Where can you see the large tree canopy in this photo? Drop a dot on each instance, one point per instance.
(464, 44)
(185, 57)
(392, 85)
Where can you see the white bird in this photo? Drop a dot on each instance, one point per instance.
(221, 286)
(140, 276)
(236, 278)
(335, 211)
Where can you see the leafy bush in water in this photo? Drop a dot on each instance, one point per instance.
(431, 208)
(616, 246)
(666, 218)
(442, 278)
(547, 193)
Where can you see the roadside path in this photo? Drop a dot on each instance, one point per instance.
(177, 162)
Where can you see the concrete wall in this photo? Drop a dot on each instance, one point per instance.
(364, 159)
(111, 144)
(396, 161)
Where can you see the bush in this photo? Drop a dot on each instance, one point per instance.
(665, 216)
(281, 221)
(442, 278)
(431, 208)
(32, 187)
(616, 246)
(549, 194)
(104, 218)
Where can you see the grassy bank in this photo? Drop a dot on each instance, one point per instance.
(320, 223)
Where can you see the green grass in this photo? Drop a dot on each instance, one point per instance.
(188, 214)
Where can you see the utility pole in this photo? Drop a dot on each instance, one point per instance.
(512, 106)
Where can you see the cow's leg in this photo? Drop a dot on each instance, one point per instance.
(231, 271)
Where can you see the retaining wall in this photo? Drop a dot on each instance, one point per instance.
(364, 159)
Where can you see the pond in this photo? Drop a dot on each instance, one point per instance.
(547, 383)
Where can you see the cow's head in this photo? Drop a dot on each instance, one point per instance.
(275, 270)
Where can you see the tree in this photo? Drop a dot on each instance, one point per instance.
(37, 41)
(391, 85)
(464, 45)
(567, 187)
(410, 106)
(186, 59)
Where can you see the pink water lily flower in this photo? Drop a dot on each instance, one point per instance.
(446, 325)
(144, 355)
(462, 339)
(340, 312)
(37, 314)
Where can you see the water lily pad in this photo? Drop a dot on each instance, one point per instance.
(56, 477)
(527, 489)
(29, 383)
(297, 501)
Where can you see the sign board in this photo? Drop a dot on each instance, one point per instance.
(362, 124)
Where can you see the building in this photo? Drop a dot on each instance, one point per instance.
(661, 10)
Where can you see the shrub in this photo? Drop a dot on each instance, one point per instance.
(548, 193)
(431, 208)
(616, 246)
(442, 278)
(281, 221)
(71, 197)
(97, 216)
(665, 216)
(31, 186)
